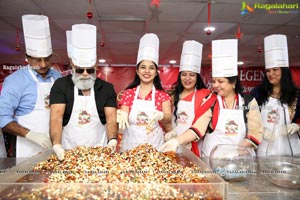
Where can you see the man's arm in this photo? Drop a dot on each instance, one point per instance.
(56, 122)
(111, 122)
(16, 129)
(11, 99)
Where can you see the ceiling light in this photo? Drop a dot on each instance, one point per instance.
(209, 28)
(102, 60)
(172, 61)
(240, 62)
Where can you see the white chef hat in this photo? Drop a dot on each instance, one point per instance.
(276, 51)
(191, 56)
(37, 35)
(69, 43)
(224, 58)
(84, 45)
(148, 48)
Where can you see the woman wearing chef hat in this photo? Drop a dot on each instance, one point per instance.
(228, 109)
(83, 107)
(191, 98)
(24, 99)
(144, 103)
(277, 92)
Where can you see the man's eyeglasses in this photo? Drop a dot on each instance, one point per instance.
(88, 70)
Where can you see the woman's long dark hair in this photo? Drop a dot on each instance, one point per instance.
(238, 86)
(288, 88)
(137, 80)
(178, 88)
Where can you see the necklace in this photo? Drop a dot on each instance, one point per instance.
(231, 104)
(276, 96)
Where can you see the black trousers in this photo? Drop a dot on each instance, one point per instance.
(10, 141)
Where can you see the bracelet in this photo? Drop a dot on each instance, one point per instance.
(252, 143)
(195, 133)
(111, 139)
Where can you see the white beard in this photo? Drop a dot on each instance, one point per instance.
(83, 82)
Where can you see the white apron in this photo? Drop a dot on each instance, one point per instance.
(268, 114)
(230, 128)
(84, 127)
(139, 116)
(37, 120)
(185, 116)
(2, 146)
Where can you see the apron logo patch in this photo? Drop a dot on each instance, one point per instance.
(182, 117)
(271, 118)
(142, 119)
(84, 117)
(231, 127)
(47, 101)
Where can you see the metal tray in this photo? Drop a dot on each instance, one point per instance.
(10, 188)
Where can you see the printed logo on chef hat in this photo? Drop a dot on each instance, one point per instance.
(191, 56)
(224, 58)
(69, 43)
(84, 47)
(148, 48)
(37, 35)
(276, 51)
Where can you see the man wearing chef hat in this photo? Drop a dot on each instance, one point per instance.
(83, 107)
(278, 93)
(228, 109)
(24, 99)
(144, 103)
(190, 93)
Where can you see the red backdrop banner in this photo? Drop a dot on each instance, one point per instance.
(122, 76)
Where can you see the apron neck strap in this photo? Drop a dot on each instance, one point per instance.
(35, 78)
(235, 103)
(193, 99)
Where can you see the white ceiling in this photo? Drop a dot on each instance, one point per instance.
(121, 23)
